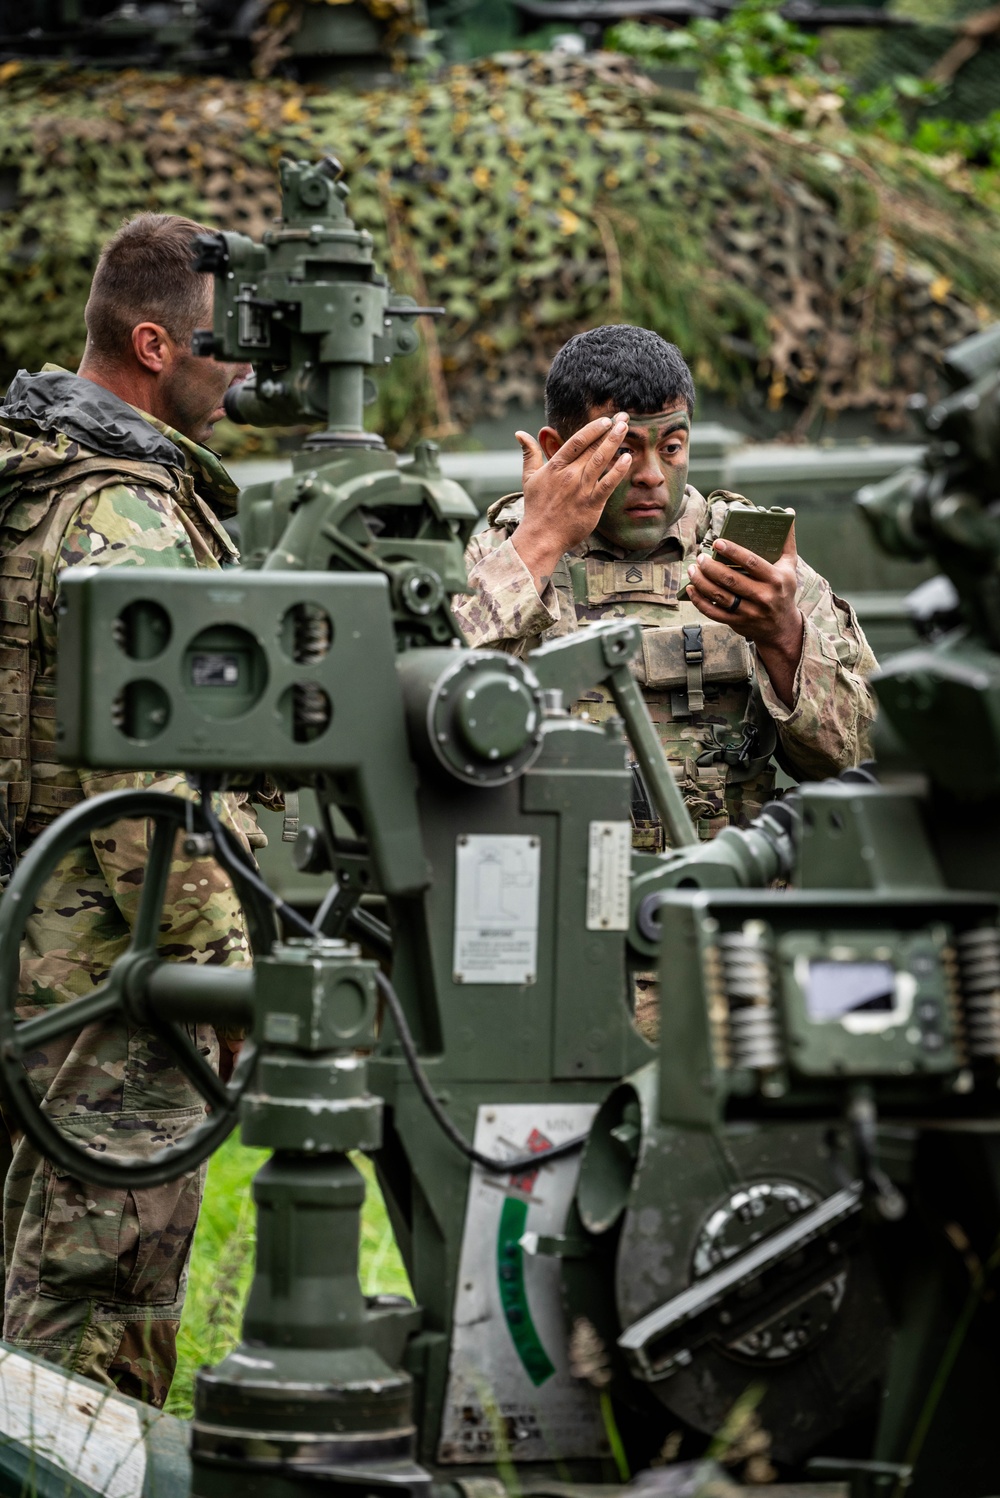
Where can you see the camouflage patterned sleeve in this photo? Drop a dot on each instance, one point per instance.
(505, 605)
(827, 728)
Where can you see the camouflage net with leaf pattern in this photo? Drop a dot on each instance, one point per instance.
(532, 195)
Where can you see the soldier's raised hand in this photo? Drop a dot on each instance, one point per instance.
(565, 497)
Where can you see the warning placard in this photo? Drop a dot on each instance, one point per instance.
(497, 879)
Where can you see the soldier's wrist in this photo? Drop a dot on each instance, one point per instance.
(540, 553)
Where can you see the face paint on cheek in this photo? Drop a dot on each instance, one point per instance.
(675, 477)
(630, 532)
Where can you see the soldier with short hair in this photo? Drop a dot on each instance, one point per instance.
(103, 468)
(737, 667)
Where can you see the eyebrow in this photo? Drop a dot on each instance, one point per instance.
(677, 422)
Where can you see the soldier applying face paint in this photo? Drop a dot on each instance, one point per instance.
(742, 660)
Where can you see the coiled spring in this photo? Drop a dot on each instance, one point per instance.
(979, 977)
(313, 633)
(748, 983)
(310, 711)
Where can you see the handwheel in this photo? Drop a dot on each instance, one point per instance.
(123, 992)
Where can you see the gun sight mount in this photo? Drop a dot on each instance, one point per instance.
(308, 308)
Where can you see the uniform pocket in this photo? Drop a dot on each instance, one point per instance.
(114, 1244)
(725, 656)
(78, 1259)
(157, 1229)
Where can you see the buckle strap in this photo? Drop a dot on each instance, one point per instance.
(694, 660)
(290, 821)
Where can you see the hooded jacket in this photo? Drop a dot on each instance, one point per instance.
(84, 478)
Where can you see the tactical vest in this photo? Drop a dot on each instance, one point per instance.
(34, 517)
(698, 681)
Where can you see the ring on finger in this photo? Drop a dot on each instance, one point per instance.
(732, 607)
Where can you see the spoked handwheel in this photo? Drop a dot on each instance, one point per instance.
(140, 988)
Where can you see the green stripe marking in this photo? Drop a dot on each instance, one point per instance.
(513, 1297)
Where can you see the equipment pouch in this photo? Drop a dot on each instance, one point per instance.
(726, 657)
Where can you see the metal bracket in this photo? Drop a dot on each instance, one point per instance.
(667, 1338)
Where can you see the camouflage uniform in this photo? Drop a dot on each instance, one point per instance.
(718, 717)
(95, 1277)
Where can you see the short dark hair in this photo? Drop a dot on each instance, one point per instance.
(633, 369)
(145, 274)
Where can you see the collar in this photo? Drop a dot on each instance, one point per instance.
(212, 482)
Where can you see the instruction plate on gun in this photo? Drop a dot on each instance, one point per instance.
(497, 879)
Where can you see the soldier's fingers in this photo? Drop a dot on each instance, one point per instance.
(608, 482)
(717, 576)
(739, 556)
(532, 456)
(790, 549)
(574, 447)
(717, 602)
(605, 455)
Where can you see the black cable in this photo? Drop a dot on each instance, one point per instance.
(235, 864)
(444, 1123)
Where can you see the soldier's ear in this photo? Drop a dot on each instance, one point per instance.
(549, 441)
(152, 346)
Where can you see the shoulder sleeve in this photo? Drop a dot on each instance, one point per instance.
(128, 524)
(827, 729)
(504, 606)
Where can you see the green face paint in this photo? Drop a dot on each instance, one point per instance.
(647, 502)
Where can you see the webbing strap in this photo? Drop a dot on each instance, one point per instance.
(13, 613)
(632, 582)
(290, 823)
(53, 797)
(694, 660)
(43, 751)
(18, 566)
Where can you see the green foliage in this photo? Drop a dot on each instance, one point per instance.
(977, 141)
(222, 1263)
(767, 68)
(891, 107)
(752, 60)
(531, 195)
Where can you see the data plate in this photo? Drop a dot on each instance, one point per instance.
(609, 865)
(497, 880)
(510, 1392)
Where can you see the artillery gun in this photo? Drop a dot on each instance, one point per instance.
(608, 1240)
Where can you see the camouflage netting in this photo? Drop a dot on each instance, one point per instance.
(532, 196)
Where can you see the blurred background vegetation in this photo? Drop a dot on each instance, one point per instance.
(811, 215)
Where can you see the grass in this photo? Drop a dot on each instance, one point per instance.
(222, 1263)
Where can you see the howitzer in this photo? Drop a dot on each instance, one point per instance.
(609, 1240)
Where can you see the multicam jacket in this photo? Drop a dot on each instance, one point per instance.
(717, 714)
(84, 478)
